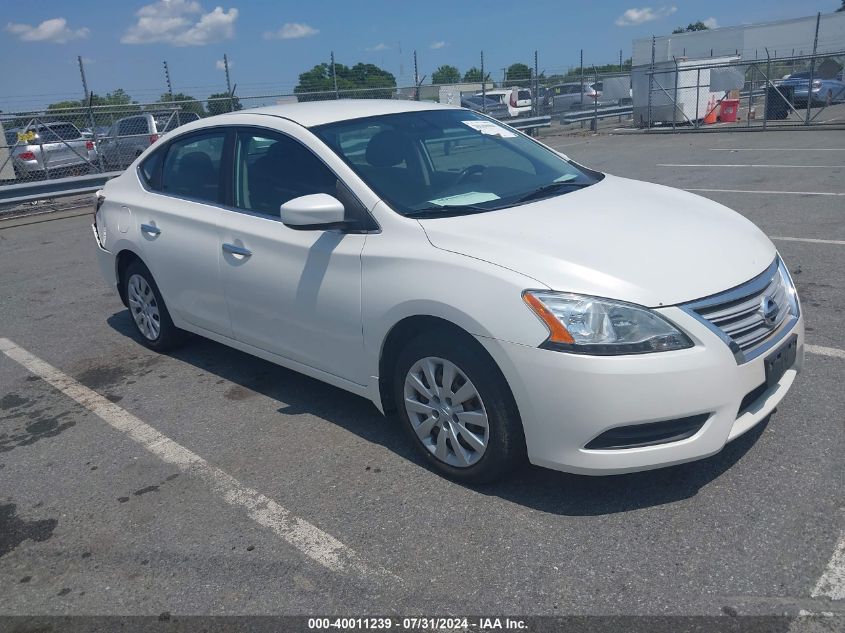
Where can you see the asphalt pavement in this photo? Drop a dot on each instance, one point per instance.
(93, 520)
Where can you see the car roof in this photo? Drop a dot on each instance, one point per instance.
(312, 113)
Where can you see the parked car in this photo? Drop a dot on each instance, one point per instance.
(491, 106)
(502, 300)
(52, 149)
(517, 105)
(130, 136)
(574, 96)
(824, 92)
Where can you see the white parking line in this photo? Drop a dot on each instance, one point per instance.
(777, 149)
(767, 191)
(825, 351)
(316, 544)
(832, 581)
(735, 165)
(811, 240)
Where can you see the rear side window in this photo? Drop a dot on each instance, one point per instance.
(135, 125)
(56, 132)
(192, 167)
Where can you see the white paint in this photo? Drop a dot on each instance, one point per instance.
(825, 351)
(766, 191)
(832, 581)
(734, 165)
(318, 545)
(811, 240)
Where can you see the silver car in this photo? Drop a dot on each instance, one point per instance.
(45, 150)
(130, 136)
(574, 96)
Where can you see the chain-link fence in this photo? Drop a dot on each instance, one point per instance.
(99, 135)
(733, 93)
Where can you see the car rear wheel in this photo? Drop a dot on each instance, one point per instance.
(149, 313)
(457, 407)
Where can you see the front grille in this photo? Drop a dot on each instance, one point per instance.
(753, 315)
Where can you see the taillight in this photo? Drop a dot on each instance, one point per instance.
(89, 145)
(512, 101)
(27, 155)
(153, 138)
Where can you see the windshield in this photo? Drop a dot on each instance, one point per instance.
(451, 161)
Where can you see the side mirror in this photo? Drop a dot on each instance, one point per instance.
(319, 211)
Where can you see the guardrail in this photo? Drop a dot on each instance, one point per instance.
(54, 188)
(529, 123)
(600, 113)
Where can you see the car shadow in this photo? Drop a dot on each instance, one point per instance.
(530, 486)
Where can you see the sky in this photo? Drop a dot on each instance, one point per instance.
(268, 43)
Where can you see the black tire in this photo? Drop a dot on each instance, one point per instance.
(168, 336)
(505, 448)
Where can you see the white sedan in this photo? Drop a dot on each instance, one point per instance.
(501, 300)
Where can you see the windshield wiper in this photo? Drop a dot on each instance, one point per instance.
(443, 211)
(552, 186)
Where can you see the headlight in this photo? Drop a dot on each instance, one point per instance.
(590, 325)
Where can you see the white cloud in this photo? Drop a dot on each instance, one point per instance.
(181, 23)
(219, 65)
(440, 44)
(292, 31)
(633, 17)
(381, 46)
(711, 23)
(54, 30)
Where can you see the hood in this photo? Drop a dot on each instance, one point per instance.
(621, 239)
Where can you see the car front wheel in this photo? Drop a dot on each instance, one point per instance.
(458, 408)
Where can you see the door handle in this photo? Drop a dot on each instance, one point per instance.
(237, 250)
(149, 228)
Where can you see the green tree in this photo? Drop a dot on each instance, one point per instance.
(473, 75)
(361, 81)
(221, 102)
(517, 73)
(842, 8)
(446, 74)
(186, 103)
(691, 27)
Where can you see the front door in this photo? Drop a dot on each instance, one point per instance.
(296, 293)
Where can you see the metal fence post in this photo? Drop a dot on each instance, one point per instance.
(697, 96)
(675, 97)
(536, 100)
(751, 94)
(651, 81)
(334, 79)
(812, 69)
(229, 84)
(766, 94)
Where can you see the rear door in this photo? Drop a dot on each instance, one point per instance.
(177, 221)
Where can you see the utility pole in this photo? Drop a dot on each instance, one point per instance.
(334, 78)
(483, 86)
(416, 78)
(82, 73)
(167, 80)
(229, 84)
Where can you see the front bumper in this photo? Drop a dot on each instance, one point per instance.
(566, 400)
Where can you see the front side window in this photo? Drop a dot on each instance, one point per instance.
(192, 167)
(450, 162)
(271, 169)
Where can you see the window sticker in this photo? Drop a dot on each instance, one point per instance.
(490, 128)
(470, 197)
